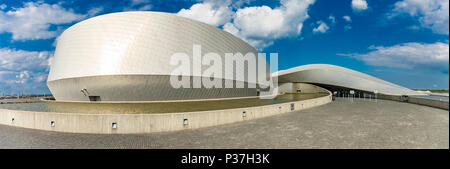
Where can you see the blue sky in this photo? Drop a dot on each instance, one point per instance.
(404, 41)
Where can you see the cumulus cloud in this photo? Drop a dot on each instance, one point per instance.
(34, 20)
(25, 81)
(359, 5)
(261, 25)
(210, 12)
(432, 14)
(347, 18)
(257, 25)
(332, 19)
(322, 28)
(24, 71)
(17, 60)
(408, 55)
(22, 77)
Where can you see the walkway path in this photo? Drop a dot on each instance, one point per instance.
(340, 124)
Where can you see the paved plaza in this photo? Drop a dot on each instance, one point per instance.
(343, 123)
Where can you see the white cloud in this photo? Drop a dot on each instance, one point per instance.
(209, 12)
(94, 11)
(24, 71)
(433, 14)
(34, 20)
(40, 77)
(332, 19)
(260, 22)
(347, 27)
(138, 5)
(3, 6)
(145, 7)
(322, 28)
(139, 2)
(359, 5)
(261, 25)
(17, 60)
(257, 25)
(414, 27)
(23, 74)
(347, 18)
(408, 55)
(22, 77)
(299, 28)
(12, 78)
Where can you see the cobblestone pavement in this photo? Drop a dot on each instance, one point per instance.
(340, 124)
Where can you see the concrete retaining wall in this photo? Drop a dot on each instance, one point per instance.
(416, 100)
(146, 123)
(300, 88)
(429, 102)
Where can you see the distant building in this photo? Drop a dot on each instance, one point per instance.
(337, 79)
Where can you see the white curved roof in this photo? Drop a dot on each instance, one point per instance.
(340, 76)
(137, 43)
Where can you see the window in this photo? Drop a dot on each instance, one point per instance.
(94, 98)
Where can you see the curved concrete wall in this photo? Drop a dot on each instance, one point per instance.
(146, 123)
(343, 77)
(137, 43)
(416, 100)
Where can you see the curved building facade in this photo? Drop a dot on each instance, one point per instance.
(126, 57)
(337, 78)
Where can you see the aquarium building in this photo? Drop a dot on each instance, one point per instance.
(126, 57)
